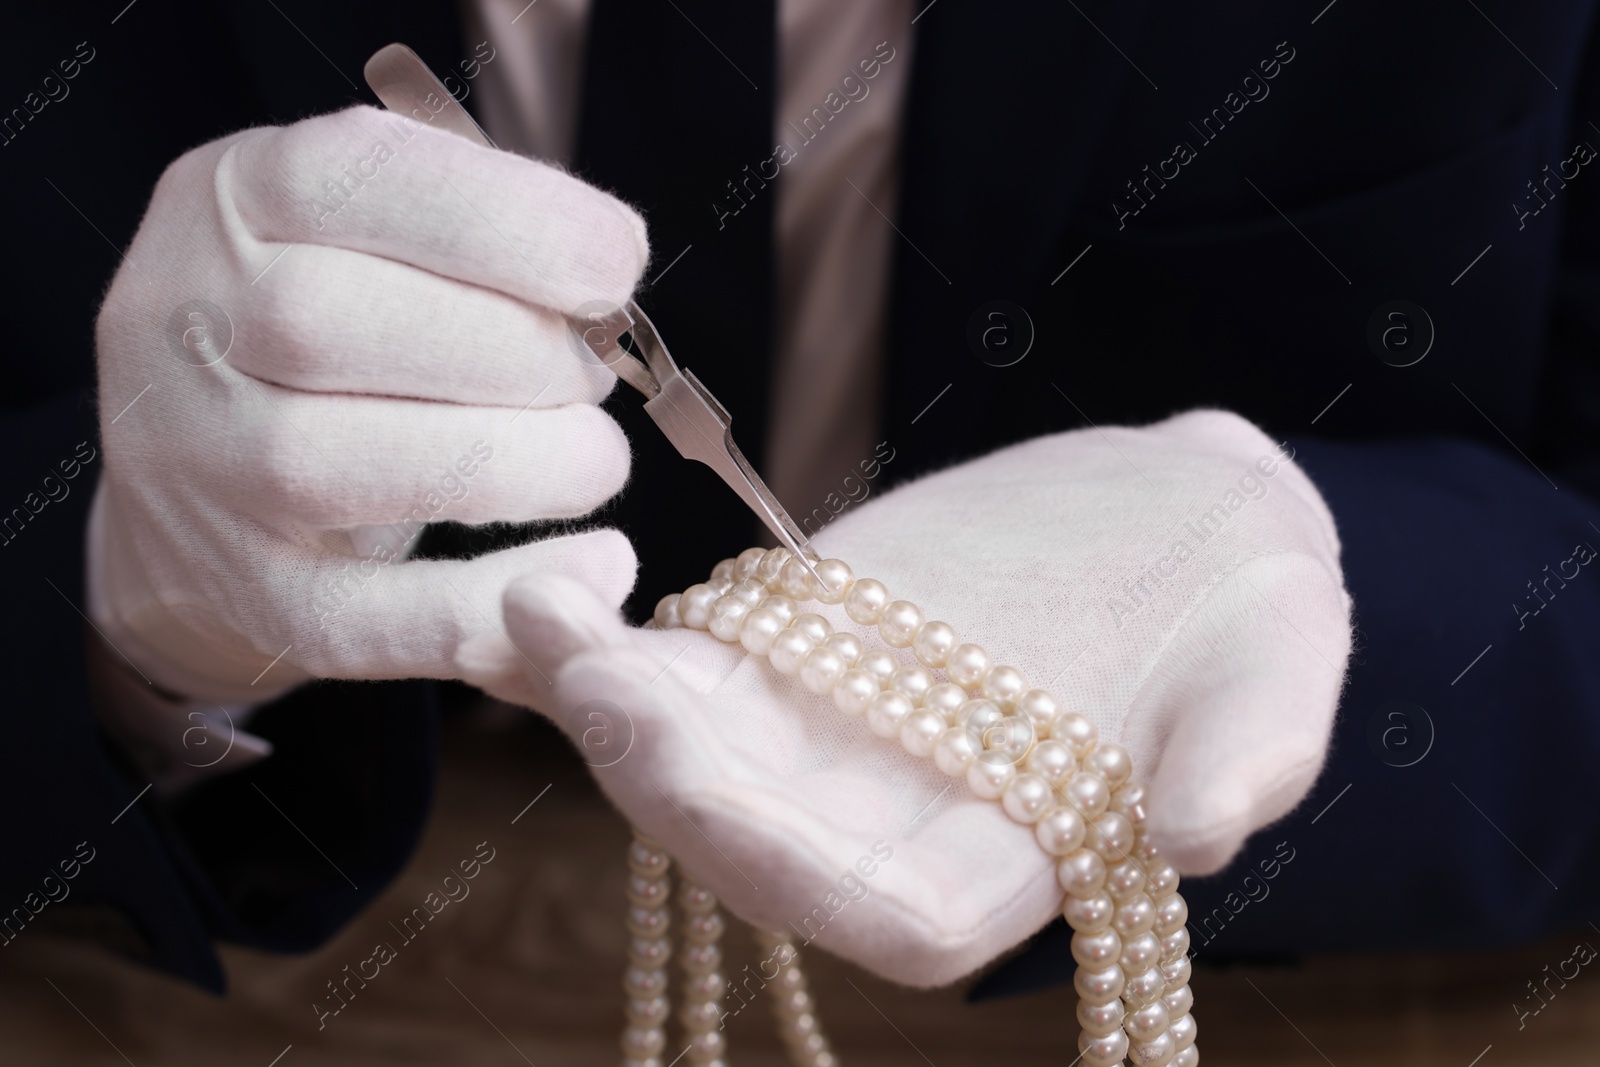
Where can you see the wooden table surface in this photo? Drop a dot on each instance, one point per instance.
(526, 970)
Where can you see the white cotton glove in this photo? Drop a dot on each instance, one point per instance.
(324, 336)
(1220, 676)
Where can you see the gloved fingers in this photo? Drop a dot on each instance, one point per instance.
(329, 320)
(1241, 707)
(372, 619)
(374, 182)
(334, 462)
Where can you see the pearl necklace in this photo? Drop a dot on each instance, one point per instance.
(1045, 766)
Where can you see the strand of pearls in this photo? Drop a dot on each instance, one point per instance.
(1013, 744)
(792, 1007)
(702, 969)
(649, 948)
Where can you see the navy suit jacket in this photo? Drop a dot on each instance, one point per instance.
(1371, 230)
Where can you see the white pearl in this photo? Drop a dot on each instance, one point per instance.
(745, 564)
(1089, 913)
(880, 664)
(1146, 1023)
(1157, 1052)
(979, 716)
(795, 579)
(815, 625)
(723, 570)
(1110, 762)
(1179, 1001)
(1100, 1019)
(1141, 954)
(1135, 915)
(1174, 945)
(954, 753)
(644, 983)
(1059, 831)
(748, 590)
(666, 614)
(701, 959)
(697, 899)
(1099, 985)
(914, 682)
(1111, 835)
(758, 628)
(652, 1011)
(1189, 1057)
(886, 712)
(1087, 793)
(1176, 972)
(721, 585)
(648, 922)
(1144, 988)
(1040, 708)
(1105, 1051)
(1163, 880)
(648, 859)
(771, 566)
(1002, 683)
(727, 612)
(1184, 1028)
(643, 1042)
(703, 929)
(700, 1016)
(708, 986)
(848, 646)
(1081, 873)
(1123, 879)
(988, 780)
(946, 698)
(836, 580)
(865, 601)
(853, 692)
(649, 951)
(1050, 760)
(1097, 950)
(967, 665)
(789, 648)
(1027, 797)
(1171, 915)
(932, 643)
(920, 732)
(782, 606)
(898, 622)
(1076, 731)
(694, 607)
(821, 669)
(707, 1046)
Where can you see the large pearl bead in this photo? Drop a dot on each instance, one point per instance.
(644, 983)
(880, 664)
(789, 648)
(954, 753)
(1089, 913)
(967, 665)
(988, 779)
(723, 571)
(932, 643)
(1135, 915)
(771, 566)
(758, 629)
(1184, 1029)
(1099, 1020)
(1189, 1057)
(886, 712)
(898, 622)
(1179, 1001)
(727, 612)
(1163, 880)
(1097, 950)
(694, 607)
(1123, 879)
(1081, 873)
(848, 646)
(1110, 762)
(1075, 730)
(821, 670)
(836, 580)
(1027, 797)
(853, 692)
(666, 614)
(946, 698)
(1140, 954)
(650, 1012)
(815, 625)
(1144, 988)
(1111, 835)
(865, 601)
(1050, 760)
(1088, 793)
(920, 732)
(1002, 683)
(643, 1042)
(1157, 1052)
(1107, 1051)
(795, 580)
(1176, 972)
(1059, 831)
(747, 563)
(1147, 1023)
(914, 682)
(782, 606)
(1040, 708)
(748, 590)
(1098, 985)
(1172, 913)
(1174, 945)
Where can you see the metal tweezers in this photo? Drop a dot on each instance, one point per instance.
(692, 419)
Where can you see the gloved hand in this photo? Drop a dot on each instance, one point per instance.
(324, 336)
(1217, 664)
